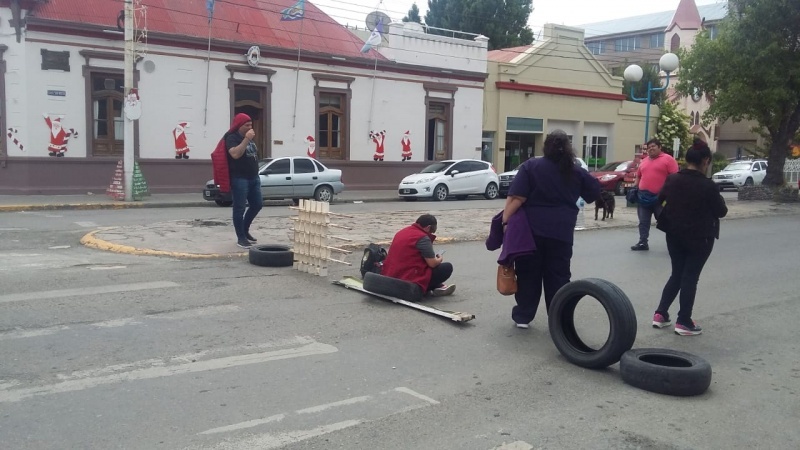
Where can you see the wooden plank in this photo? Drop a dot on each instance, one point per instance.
(356, 284)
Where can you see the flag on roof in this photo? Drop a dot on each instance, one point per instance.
(374, 38)
(210, 8)
(294, 12)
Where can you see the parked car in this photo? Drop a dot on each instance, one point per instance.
(460, 178)
(612, 176)
(507, 177)
(741, 173)
(292, 177)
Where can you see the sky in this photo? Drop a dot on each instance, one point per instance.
(563, 12)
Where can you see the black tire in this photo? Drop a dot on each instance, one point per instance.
(271, 255)
(404, 290)
(665, 371)
(621, 318)
(440, 193)
(491, 191)
(323, 194)
(748, 182)
(223, 203)
(619, 189)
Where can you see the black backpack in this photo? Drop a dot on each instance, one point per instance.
(372, 261)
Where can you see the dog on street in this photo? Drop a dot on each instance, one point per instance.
(606, 202)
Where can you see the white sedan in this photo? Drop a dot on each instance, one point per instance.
(459, 178)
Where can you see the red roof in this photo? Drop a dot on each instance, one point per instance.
(506, 54)
(251, 22)
(686, 17)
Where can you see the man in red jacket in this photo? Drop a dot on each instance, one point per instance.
(411, 258)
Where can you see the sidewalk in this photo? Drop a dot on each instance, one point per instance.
(14, 203)
(214, 239)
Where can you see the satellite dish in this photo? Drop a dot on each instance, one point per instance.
(377, 16)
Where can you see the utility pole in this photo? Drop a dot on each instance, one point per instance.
(128, 160)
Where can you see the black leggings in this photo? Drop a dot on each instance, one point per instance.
(548, 267)
(688, 257)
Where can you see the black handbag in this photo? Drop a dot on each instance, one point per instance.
(633, 195)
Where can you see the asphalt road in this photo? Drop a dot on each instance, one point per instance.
(101, 350)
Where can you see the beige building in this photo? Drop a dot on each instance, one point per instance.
(643, 39)
(556, 83)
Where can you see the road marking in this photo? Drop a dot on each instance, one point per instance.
(107, 267)
(13, 229)
(20, 255)
(408, 391)
(97, 290)
(21, 333)
(243, 425)
(59, 247)
(86, 224)
(348, 401)
(312, 349)
(268, 441)
(517, 445)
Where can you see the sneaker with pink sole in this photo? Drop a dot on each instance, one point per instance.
(688, 330)
(659, 321)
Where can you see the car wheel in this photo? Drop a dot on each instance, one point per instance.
(621, 318)
(393, 287)
(271, 256)
(439, 193)
(748, 182)
(619, 189)
(323, 194)
(491, 191)
(665, 371)
(223, 203)
(461, 197)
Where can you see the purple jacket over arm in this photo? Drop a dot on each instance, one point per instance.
(516, 241)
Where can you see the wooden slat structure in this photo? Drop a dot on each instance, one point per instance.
(311, 226)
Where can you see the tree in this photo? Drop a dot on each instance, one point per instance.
(504, 22)
(649, 75)
(413, 14)
(673, 123)
(752, 71)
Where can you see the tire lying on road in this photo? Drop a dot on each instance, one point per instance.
(665, 371)
(393, 287)
(621, 318)
(270, 255)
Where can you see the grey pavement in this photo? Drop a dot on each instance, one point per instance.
(13, 203)
(214, 238)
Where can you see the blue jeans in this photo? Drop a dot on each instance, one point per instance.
(247, 202)
(646, 214)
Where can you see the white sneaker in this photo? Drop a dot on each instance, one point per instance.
(443, 290)
(524, 326)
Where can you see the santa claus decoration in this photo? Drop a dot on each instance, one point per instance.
(58, 136)
(378, 138)
(406, 143)
(181, 146)
(311, 151)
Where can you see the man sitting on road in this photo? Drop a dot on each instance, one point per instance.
(411, 258)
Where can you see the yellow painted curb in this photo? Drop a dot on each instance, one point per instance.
(89, 240)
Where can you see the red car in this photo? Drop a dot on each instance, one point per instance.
(612, 176)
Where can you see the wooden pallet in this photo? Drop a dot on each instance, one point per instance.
(356, 284)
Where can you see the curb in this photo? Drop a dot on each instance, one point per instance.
(89, 240)
(131, 205)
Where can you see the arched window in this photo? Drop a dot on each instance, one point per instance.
(697, 118)
(675, 43)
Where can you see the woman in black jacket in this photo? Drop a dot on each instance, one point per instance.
(692, 209)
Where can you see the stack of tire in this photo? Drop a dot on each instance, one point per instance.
(664, 371)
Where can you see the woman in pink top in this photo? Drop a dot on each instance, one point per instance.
(650, 177)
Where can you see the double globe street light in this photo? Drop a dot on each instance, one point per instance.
(633, 73)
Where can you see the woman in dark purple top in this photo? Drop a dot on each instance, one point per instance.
(547, 189)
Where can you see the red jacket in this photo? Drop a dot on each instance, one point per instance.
(404, 261)
(219, 157)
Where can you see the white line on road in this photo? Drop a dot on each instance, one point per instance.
(268, 441)
(116, 323)
(312, 349)
(13, 229)
(107, 267)
(86, 224)
(408, 391)
(59, 247)
(243, 425)
(320, 408)
(197, 312)
(23, 333)
(97, 290)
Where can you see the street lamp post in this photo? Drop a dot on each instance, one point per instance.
(634, 73)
